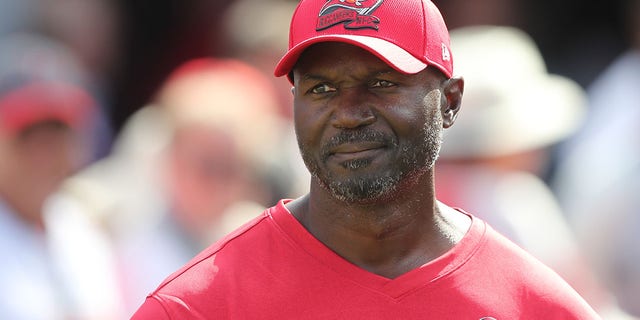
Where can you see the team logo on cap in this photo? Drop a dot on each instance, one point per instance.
(354, 14)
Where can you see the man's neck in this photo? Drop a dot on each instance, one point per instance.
(389, 238)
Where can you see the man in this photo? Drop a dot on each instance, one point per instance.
(188, 168)
(373, 90)
(57, 264)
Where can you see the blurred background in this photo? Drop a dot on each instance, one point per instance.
(132, 46)
(134, 133)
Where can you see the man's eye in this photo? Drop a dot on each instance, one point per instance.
(322, 88)
(382, 84)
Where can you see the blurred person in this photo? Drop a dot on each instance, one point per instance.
(210, 110)
(57, 264)
(187, 169)
(598, 169)
(372, 95)
(496, 155)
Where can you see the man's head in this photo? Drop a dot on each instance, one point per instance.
(223, 116)
(40, 141)
(45, 115)
(373, 90)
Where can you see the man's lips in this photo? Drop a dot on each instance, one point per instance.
(356, 150)
(356, 145)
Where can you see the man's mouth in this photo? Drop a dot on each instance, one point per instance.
(348, 151)
(356, 145)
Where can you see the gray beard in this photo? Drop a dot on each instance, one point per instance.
(414, 161)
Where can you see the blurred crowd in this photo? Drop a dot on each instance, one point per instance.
(99, 205)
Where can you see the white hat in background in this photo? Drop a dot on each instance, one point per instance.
(511, 103)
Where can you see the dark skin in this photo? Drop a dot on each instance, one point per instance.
(338, 89)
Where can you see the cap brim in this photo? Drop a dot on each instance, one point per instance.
(388, 52)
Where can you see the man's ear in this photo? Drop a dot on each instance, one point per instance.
(453, 89)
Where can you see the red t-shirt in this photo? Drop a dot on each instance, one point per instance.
(272, 268)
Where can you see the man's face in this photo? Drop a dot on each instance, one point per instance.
(36, 160)
(204, 174)
(365, 131)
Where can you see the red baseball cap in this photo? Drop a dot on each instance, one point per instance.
(409, 35)
(41, 101)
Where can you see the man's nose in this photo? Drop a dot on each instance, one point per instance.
(352, 109)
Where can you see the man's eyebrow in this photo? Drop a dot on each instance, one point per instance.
(313, 77)
(383, 72)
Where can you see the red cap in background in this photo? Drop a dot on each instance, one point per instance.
(41, 101)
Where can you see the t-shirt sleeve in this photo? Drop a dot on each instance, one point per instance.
(151, 309)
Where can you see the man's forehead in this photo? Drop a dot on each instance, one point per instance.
(332, 59)
(337, 48)
(333, 54)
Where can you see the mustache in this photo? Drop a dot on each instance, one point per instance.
(357, 136)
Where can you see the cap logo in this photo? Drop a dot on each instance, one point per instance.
(354, 14)
(446, 55)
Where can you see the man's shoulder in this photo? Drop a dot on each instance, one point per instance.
(524, 278)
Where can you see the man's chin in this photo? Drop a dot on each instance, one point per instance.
(362, 191)
(373, 189)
